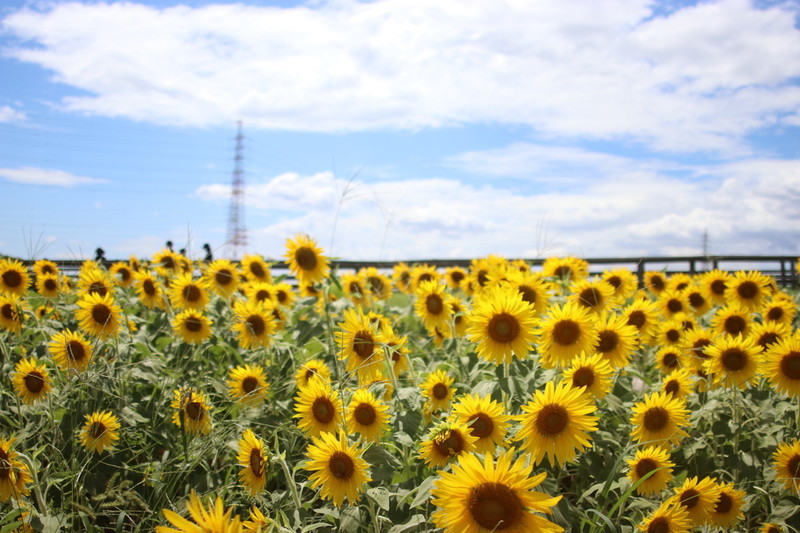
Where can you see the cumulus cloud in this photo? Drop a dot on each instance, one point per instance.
(699, 78)
(43, 176)
(9, 114)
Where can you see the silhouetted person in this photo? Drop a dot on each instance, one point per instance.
(182, 251)
(169, 246)
(100, 256)
(209, 255)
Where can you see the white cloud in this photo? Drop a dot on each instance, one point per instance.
(700, 78)
(43, 176)
(9, 114)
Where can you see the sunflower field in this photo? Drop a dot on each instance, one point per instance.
(174, 395)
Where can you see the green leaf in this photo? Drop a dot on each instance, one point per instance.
(381, 497)
(351, 519)
(411, 523)
(423, 491)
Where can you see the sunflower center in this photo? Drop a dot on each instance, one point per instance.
(256, 325)
(503, 328)
(590, 297)
(355, 288)
(96, 430)
(656, 419)
(793, 466)
(645, 466)
(375, 284)
(689, 498)
(306, 258)
(747, 290)
(608, 341)
(97, 287)
(124, 274)
(440, 391)
(249, 384)
(790, 365)
(481, 425)
(734, 325)
(323, 410)
(566, 332)
(637, 318)
(149, 287)
(8, 312)
(341, 465)
(47, 269)
(775, 314)
(718, 287)
(767, 338)
(75, 350)
(673, 335)
(670, 360)
(283, 297)
(434, 304)
(193, 324)
(224, 277)
(674, 305)
(733, 359)
(363, 344)
(672, 387)
(192, 293)
(615, 282)
(12, 278)
(457, 276)
(724, 503)
(449, 443)
(696, 300)
(659, 524)
(262, 296)
(483, 277)
(495, 506)
(425, 276)
(5, 464)
(101, 314)
(657, 282)
(34, 382)
(257, 270)
(563, 272)
(168, 262)
(364, 414)
(194, 410)
(698, 346)
(552, 420)
(583, 377)
(256, 462)
(50, 284)
(528, 294)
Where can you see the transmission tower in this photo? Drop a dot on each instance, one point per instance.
(237, 235)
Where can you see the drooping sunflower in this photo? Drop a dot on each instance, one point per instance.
(668, 518)
(378, 284)
(593, 294)
(446, 440)
(437, 390)
(622, 281)
(659, 420)
(99, 316)
(318, 408)
(204, 519)
(222, 276)
(502, 324)
(14, 277)
(100, 431)
(646, 460)
(727, 510)
(770, 528)
(359, 344)
(310, 370)
(781, 310)
(592, 372)
(616, 340)
(748, 289)
(655, 282)
(786, 463)
(251, 457)
(732, 319)
(495, 494)
(48, 285)
(253, 323)
(191, 411)
(679, 383)
(431, 305)
(781, 365)
(31, 381)
(733, 361)
(367, 416)
(643, 314)
(185, 292)
(305, 259)
(698, 497)
(247, 384)
(14, 475)
(337, 467)
(485, 418)
(565, 332)
(401, 276)
(70, 350)
(355, 289)
(149, 289)
(256, 269)
(11, 312)
(556, 423)
(192, 326)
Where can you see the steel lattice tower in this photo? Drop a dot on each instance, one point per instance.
(237, 234)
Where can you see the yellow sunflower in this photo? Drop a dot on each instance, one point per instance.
(214, 518)
(14, 475)
(533, 288)
(748, 289)
(166, 262)
(669, 359)
(337, 467)
(727, 510)
(99, 316)
(99, 432)
(616, 340)
(698, 497)
(355, 289)
(781, 365)
(222, 276)
(643, 314)
(485, 418)
(592, 372)
(247, 384)
(310, 370)
(254, 462)
(359, 344)
(668, 518)
(733, 361)
(258, 523)
(779, 310)
(556, 423)
(766, 334)
(191, 411)
(318, 408)
(654, 461)
(593, 294)
(367, 416)
(623, 282)
(565, 269)
(401, 276)
(786, 463)
(31, 381)
(11, 312)
(669, 332)
(655, 282)
(70, 350)
(659, 420)
(305, 259)
(14, 277)
(256, 269)
(431, 305)
(185, 292)
(48, 286)
(396, 350)
(45, 267)
(122, 274)
(95, 281)
(192, 326)
(679, 383)
(421, 274)
(695, 344)
(437, 391)
(446, 440)
(260, 291)
(495, 494)
(455, 277)
(695, 296)
(378, 284)
(565, 332)
(502, 324)
(253, 323)
(284, 294)
(732, 319)
(770, 528)
(672, 302)
(713, 284)
(149, 290)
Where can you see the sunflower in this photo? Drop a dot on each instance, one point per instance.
(305, 259)
(284, 295)
(14, 277)
(770, 528)
(422, 273)
(95, 281)
(668, 518)
(31, 381)
(643, 314)
(191, 411)
(565, 332)
(781, 365)
(733, 361)
(260, 291)
(727, 509)
(495, 494)
(713, 284)
(698, 497)
(45, 267)
(214, 518)
(748, 289)
(149, 290)
(679, 281)
(779, 310)
(659, 419)
(594, 294)
(186, 292)
(166, 262)
(655, 282)
(672, 302)
(98, 315)
(367, 416)
(485, 418)
(255, 268)
(359, 344)
(459, 311)
(395, 348)
(695, 343)
(786, 463)
(431, 305)
(355, 289)
(312, 370)
(532, 287)
(565, 269)
(48, 285)
(258, 523)
(446, 440)
(337, 467)
(678, 383)
(253, 323)
(401, 276)
(766, 334)
(502, 324)
(592, 372)
(192, 326)
(556, 423)
(11, 312)
(99, 432)
(70, 350)
(222, 276)
(438, 391)
(651, 459)
(455, 277)
(622, 281)
(318, 408)
(14, 475)
(670, 332)
(251, 457)
(669, 359)
(732, 319)
(378, 285)
(247, 384)
(122, 274)
(695, 296)
(616, 340)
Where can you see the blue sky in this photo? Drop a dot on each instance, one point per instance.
(402, 129)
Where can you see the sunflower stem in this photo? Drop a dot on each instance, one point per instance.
(289, 479)
(736, 429)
